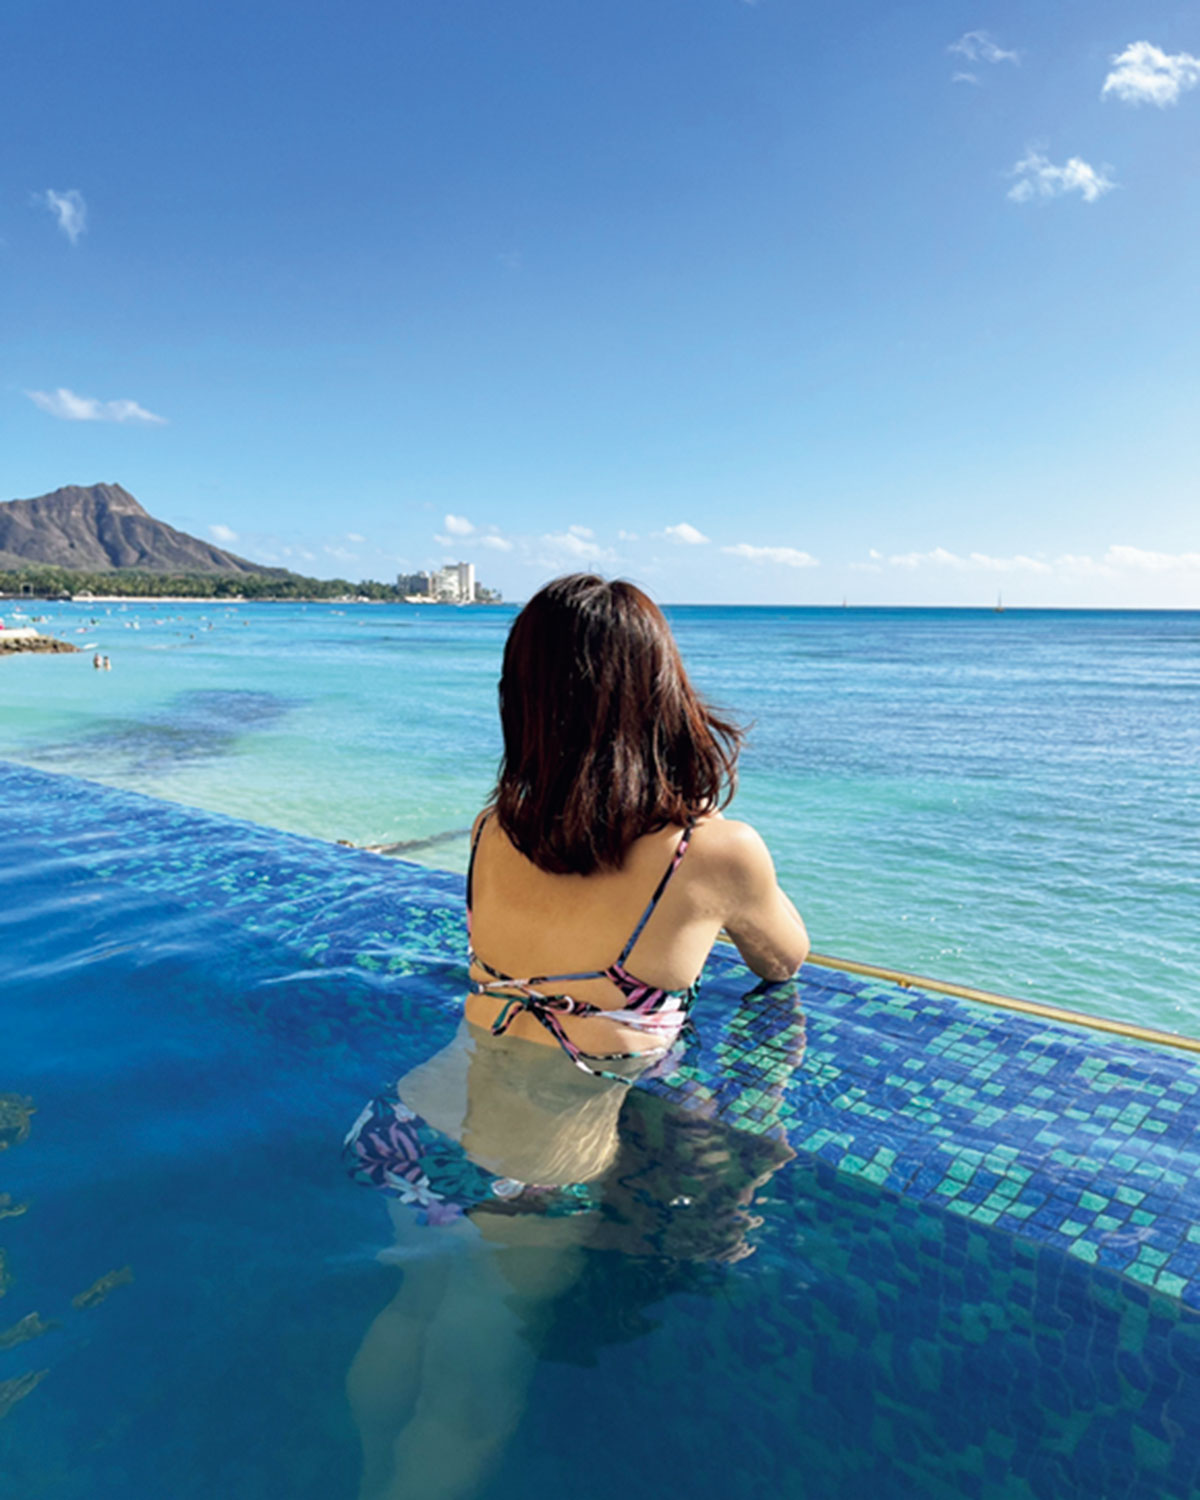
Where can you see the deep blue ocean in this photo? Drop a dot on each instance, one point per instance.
(1010, 800)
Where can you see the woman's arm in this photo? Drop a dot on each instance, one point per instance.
(765, 926)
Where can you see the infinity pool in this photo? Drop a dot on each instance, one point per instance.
(970, 1267)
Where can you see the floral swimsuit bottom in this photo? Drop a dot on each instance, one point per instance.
(392, 1148)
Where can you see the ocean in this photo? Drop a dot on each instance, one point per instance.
(1009, 800)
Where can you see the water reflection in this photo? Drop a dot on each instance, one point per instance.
(509, 1177)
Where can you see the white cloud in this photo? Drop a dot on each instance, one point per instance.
(963, 78)
(353, 536)
(1145, 74)
(570, 544)
(981, 46)
(1118, 560)
(973, 562)
(1152, 562)
(788, 556)
(1079, 565)
(72, 408)
(1037, 177)
(222, 533)
(462, 535)
(68, 208)
(685, 533)
(627, 536)
(584, 531)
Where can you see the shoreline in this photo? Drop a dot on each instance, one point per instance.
(213, 600)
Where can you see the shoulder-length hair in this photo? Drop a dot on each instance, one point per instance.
(605, 739)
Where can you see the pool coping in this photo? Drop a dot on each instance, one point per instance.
(1055, 1013)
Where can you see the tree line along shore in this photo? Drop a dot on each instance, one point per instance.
(43, 581)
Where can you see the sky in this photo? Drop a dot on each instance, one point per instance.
(791, 301)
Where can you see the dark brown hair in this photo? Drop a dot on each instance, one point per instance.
(605, 738)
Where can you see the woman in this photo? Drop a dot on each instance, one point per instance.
(600, 875)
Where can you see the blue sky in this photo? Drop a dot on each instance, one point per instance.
(772, 302)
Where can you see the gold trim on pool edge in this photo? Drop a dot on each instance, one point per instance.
(1009, 1002)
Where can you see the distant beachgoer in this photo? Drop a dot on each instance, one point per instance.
(600, 875)
(107, 665)
(97, 661)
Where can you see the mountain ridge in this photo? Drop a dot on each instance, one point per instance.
(103, 528)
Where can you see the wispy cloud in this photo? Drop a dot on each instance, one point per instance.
(686, 533)
(790, 557)
(462, 534)
(339, 553)
(68, 208)
(353, 536)
(1116, 560)
(971, 562)
(222, 533)
(1122, 560)
(1145, 74)
(574, 543)
(981, 46)
(1038, 177)
(1152, 562)
(964, 78)
(72, 408)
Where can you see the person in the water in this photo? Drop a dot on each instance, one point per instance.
(601, 873)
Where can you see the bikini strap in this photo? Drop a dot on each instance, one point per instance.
(471, 861)
(676, 858)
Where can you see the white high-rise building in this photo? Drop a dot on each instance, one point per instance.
(455, 584)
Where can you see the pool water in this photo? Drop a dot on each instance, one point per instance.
(974, 1271)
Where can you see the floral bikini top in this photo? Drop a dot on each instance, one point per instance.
(660, 1013)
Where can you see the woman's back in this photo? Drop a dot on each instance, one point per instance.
(630, 941)
(527, 922)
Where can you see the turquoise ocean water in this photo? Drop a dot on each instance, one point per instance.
(1010, 800)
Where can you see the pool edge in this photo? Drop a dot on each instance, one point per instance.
(1056, 1013)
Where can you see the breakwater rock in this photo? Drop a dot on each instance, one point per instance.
(12, 641)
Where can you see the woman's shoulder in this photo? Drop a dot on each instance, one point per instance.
(731, 850)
